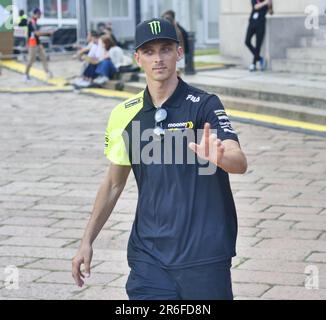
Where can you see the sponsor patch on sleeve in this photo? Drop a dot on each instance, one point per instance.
(133, 103)
(224, 121)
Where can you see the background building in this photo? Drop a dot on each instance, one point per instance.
(285, 28)
(200, 16)
(55, 12)
(220, 23)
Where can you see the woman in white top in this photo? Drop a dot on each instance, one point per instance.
(113, 60)
(104, 62)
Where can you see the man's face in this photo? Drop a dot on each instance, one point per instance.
(159, 59)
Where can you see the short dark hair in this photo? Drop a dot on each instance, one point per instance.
(21, 12)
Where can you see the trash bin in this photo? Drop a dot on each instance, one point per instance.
(190, 56)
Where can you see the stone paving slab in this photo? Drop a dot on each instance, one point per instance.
(49, 179)
(11, 79)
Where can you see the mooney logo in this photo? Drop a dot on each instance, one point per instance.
(155, 27)
(182, 125)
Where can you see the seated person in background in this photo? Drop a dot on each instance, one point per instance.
(91, 59)
(113, 60)
(92, 40)
(104, 63)
(108, 30)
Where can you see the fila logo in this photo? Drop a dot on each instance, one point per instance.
(155, 27)
(193, 99)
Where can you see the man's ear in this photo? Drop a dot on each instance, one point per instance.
(136, 55)
(180, 53)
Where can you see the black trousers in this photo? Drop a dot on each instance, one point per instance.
(257, 29)
(206, 282)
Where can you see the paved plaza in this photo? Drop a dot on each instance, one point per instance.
(51, 165)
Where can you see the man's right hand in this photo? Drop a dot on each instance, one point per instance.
(83, 256)
(107, 196)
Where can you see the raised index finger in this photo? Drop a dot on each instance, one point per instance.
(207, 131)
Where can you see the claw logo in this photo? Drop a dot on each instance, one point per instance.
(155, 27)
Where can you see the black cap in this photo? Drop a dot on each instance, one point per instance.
(155, 29)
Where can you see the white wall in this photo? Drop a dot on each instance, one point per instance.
(293, 7)
(234, 22)
(123, 28)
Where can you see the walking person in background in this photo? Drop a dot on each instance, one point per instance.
(257, 26)
(35, 46)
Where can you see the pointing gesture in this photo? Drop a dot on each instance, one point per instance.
(210, 147)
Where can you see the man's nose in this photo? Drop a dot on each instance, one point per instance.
(158, 57)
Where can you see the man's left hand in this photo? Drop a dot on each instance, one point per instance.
(210, 147)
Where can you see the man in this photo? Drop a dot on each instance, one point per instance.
(185, 228)
(256, 27)
(35, 46)
(22, 19)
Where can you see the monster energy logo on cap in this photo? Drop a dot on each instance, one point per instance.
(155, 27)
